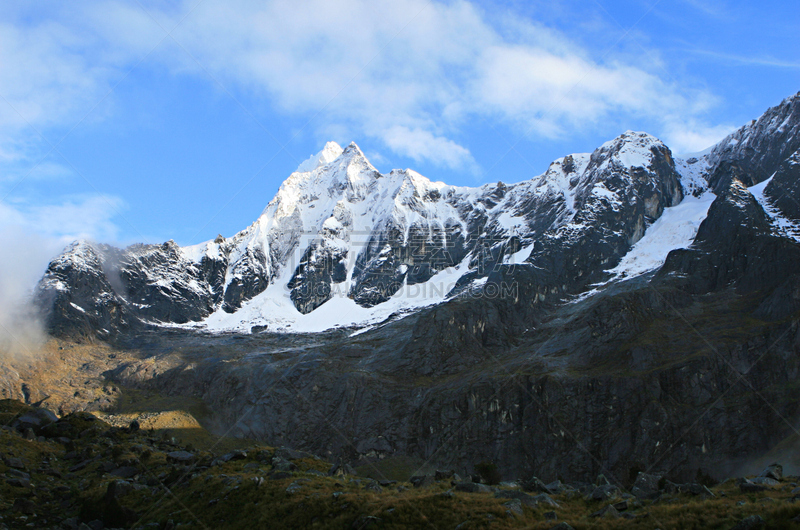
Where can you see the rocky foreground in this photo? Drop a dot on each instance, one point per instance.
(80, 472)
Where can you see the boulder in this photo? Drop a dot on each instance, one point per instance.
(18, 482)
(181, 457)
(233, 455)
(604, 493)
(697, 490)
(749, 487)
(524, 498)
(513, 507)
(750, 523)
(125, 472)
(18, 473)
(282, 464)
(472, 487)
(341, 469)
(535, 485)
(422, 481)
(773, 471)
(373, 486)
(14, 462)
(291, 454)
(766, 481)
(443, 475)
(117, 488)
(35, 419)
(544, 498)
(609, 512)
(646, 486)
(25, 506)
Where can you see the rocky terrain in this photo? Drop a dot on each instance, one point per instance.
(78, 472)
(624, 312)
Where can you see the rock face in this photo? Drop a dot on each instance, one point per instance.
(754, 152)
(545, 358)
(783, 187)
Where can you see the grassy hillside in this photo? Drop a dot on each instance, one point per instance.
(171, 473)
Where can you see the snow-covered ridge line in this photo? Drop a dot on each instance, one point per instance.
(342, 244)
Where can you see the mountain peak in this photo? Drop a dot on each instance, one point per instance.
(329, 153)
(353, 151)
(631, 148)
(632, 140)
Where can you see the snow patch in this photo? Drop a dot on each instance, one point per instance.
(196, 253)
(274, 308)
(693, 173)
(781, 225)
(676, 228)
(519, 257)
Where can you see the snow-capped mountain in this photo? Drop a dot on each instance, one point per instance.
(342, 244)
(624, 310)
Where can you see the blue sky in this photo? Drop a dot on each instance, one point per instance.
(127, 121)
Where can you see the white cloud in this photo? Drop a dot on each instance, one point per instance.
(764, 60)
(713, 8)
(57, 66)
(420, 144)
(412, 73)
(30, 236)
(51, 226)
(22, 262)
(409, 73)
(685, 137)
(82, 217)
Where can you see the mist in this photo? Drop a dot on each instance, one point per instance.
(23, 260)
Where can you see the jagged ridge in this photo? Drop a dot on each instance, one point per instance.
(338, 228)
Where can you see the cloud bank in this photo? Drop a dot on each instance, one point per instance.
(410, 74)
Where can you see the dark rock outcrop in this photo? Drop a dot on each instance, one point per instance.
(754, 152)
